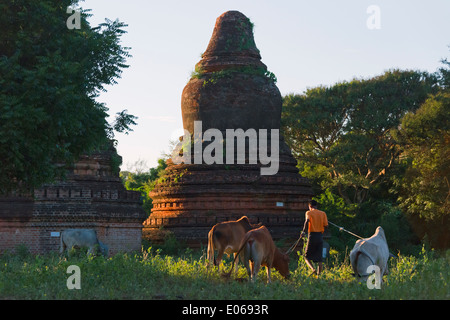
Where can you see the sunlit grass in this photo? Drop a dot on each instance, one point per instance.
(152, 275)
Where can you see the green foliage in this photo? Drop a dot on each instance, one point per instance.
(363, 219)
(423, 187)
(334, 206)
(122, 123)
(49, 79)
(151, 275)
(144, 182)
(375, 149)
(444, 79)
(426, 138)
(211, 78)
(344, 131)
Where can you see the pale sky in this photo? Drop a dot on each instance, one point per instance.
(304, 43)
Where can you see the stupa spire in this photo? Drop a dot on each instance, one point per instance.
(232, 45)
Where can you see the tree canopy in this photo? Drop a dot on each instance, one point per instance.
(341, 134)
(378, 150)
(423, 188)
(50, 76)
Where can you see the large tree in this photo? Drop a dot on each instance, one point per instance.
(423, 188)
(50, 76)
(342, 135)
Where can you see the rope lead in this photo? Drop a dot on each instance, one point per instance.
(342, 229)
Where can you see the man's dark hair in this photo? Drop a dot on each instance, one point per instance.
(313, 203)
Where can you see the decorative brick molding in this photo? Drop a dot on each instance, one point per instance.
(91, 197)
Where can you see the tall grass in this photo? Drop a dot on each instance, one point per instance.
(150, 274)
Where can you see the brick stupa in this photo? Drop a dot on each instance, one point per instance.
(231, 89)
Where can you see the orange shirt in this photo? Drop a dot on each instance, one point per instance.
(317, 220)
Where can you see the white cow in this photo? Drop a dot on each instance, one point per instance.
(77, 238)
(369, 252)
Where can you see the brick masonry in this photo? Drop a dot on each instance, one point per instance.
(194, 195)
(91, 197)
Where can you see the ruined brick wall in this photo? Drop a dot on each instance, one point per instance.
(92, 198)
(43, 237)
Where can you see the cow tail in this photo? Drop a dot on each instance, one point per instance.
(210, 252)
(244, 242)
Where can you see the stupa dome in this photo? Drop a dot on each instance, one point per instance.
(231, 87)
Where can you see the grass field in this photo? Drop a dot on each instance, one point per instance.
(150, 274)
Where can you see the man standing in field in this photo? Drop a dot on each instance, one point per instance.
(316, 221)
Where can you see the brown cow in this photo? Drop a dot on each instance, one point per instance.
(225, 237)
(260, 250)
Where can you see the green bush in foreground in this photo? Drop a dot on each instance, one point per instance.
(152, 275)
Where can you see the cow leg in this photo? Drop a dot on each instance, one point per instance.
(62, 248)
(256, 259)
(245, 261)
(248, 264)
(236, 267)
(219, 258)
(256, 264)
(91, 251)
(256, 267)
(268, 274)
(249, 267)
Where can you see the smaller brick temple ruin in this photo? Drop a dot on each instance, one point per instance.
(91, 196)
(231, 89)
